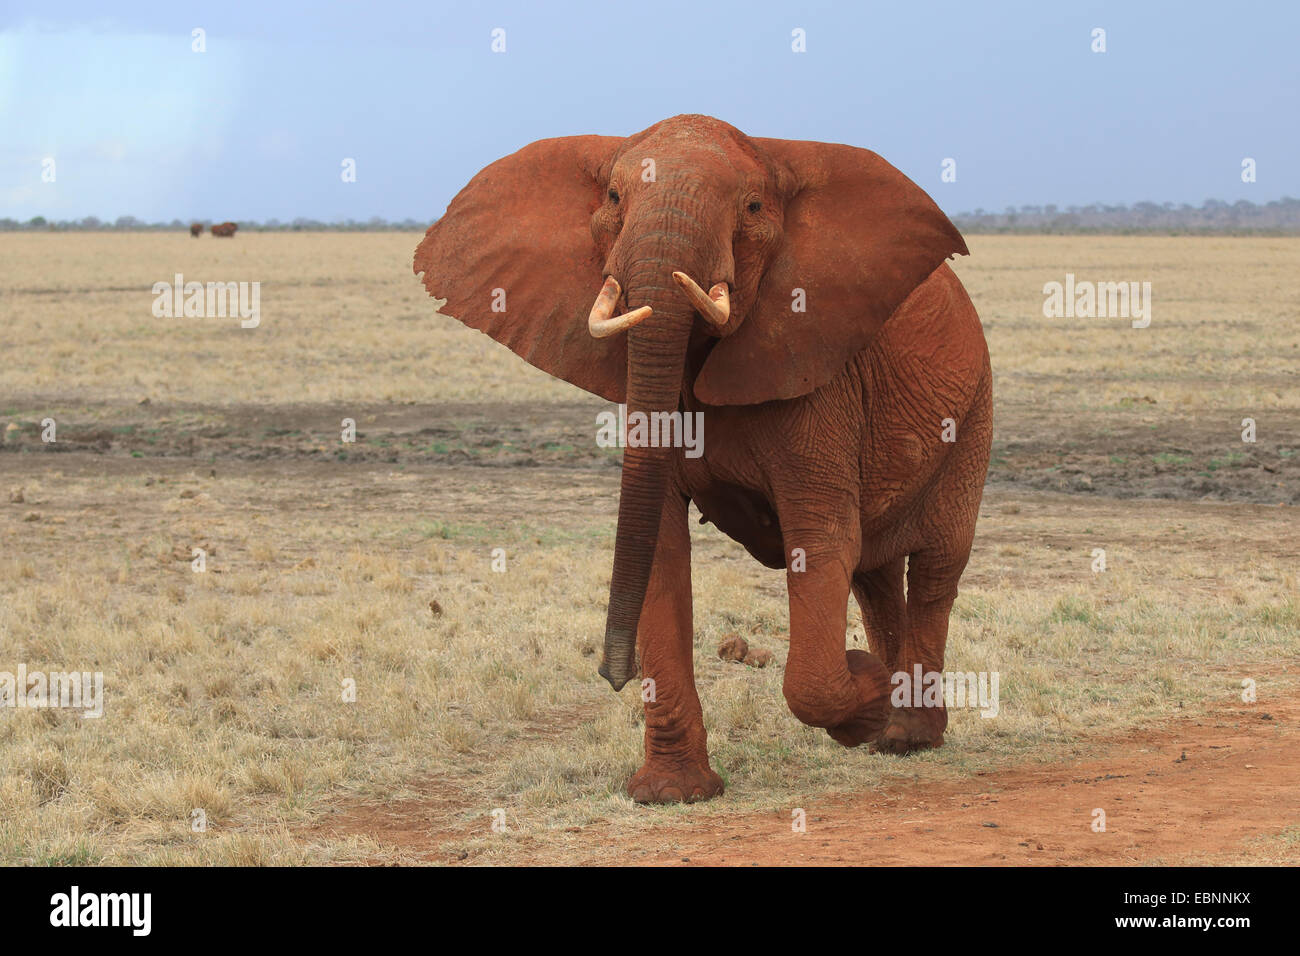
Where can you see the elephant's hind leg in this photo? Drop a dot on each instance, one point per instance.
(933, 572)
(881, 596)
(931, 590)
(676, 768)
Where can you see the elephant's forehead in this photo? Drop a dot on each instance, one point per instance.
(675, 151)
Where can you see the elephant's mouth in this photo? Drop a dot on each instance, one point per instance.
(714, 306)
(602, 322)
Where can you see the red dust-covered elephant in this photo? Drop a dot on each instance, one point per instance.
(196, 229)
(224, 229)
(837, 362)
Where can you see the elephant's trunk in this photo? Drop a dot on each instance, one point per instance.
(656, 359)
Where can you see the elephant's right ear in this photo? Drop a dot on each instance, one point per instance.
(514, 257)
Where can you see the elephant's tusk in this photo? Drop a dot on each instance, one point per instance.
(603, 322)
(715, 306)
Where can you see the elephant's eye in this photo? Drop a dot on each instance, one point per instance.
(613, 196)
(755, 206)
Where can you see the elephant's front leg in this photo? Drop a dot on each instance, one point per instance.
(676, 767)
(847, 692)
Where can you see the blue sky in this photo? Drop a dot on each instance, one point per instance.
(257, 126)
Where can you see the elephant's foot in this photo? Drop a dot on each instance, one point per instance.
(872, 680)
(674, 783)
(911, 729)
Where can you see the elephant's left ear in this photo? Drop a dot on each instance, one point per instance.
(859, 237)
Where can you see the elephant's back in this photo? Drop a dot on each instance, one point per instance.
(937, 324)
(932, 346)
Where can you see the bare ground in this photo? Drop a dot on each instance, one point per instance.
(1132, 451)
(1196, 792)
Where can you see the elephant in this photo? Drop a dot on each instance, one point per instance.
(836, 358)
(225, 229)
(196, 229)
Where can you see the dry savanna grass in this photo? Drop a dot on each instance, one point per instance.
(225, 689)
(475, 689)
(345, 320)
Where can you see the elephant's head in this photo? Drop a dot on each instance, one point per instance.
(590, 257)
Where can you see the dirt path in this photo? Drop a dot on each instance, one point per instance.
(1181, 794)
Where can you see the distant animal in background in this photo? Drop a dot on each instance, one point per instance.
(196, 229)
(226, 229)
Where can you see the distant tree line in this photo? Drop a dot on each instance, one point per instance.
(1281, 217)
(132, 224)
